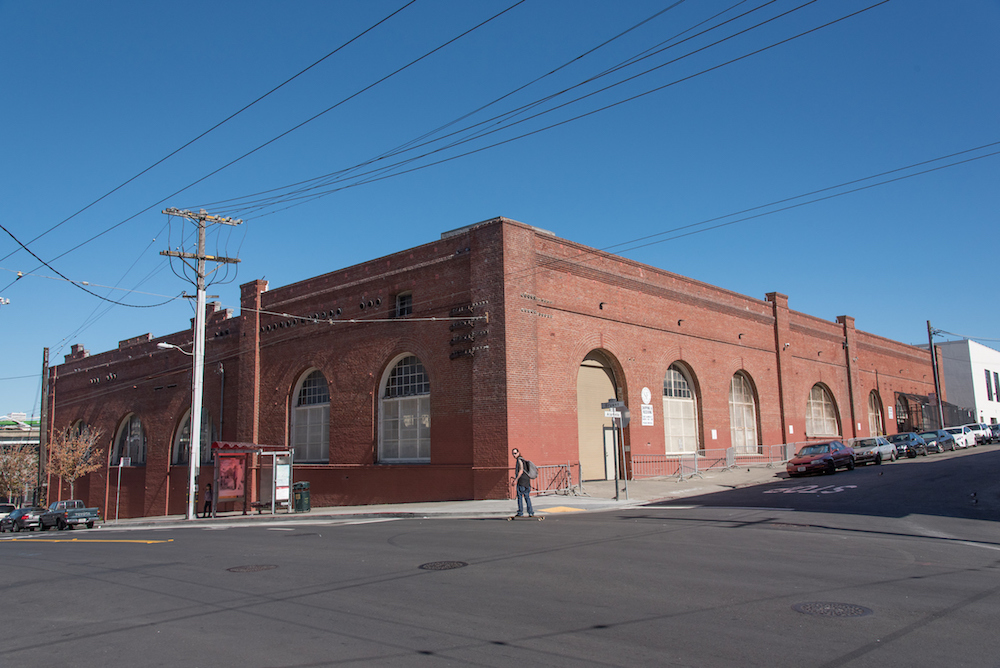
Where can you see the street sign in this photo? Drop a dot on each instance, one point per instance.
(613, 404)
(612, 413)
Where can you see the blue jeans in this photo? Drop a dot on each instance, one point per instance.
(524, 492)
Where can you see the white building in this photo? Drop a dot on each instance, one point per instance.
(972, 377)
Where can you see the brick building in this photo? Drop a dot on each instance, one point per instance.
(410, 377)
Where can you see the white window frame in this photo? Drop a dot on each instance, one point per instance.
(309, 424)
(404, 429)
(680, 412)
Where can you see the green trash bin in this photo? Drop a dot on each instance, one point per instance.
(300, 490)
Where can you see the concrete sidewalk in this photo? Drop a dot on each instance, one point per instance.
(595, 496)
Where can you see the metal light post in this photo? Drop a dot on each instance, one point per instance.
(194, 433)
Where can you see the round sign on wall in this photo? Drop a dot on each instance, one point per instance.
(647, 396)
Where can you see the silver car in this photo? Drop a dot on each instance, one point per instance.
(964, 438)
(873, 450)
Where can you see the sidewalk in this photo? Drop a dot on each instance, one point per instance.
(596, 496)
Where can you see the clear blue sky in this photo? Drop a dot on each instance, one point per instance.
(94, 93)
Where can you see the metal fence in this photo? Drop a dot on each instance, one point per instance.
(554, 479)
(691, 464)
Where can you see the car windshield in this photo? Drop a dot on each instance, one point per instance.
(814, 450)
(865, 443)
(928, 434)
(954, 430)
(898, 438)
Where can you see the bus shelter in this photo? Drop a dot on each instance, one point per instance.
(253, 475)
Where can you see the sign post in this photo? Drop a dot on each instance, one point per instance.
(619, 414)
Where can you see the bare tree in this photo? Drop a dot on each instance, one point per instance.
(74, 453)
(18, 469)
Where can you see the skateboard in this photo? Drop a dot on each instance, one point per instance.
(523, 517)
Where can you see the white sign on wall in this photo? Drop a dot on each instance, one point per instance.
(647, 415)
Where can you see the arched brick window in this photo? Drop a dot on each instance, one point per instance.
(404, 434)
(311, 418)
(182, 439)
(743, 415)
(130, 441)
(821, 413)
(875, 422)
(680, 411)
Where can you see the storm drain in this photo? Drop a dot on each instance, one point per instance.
(253, 568)
(442, 565)
(824, 609)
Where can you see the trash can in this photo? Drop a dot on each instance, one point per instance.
(300, 490)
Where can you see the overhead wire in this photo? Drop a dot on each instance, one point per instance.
(372, 178)
(214, 127)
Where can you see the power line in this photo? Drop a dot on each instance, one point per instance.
(213, 128)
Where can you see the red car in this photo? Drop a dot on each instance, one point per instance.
(820, 458)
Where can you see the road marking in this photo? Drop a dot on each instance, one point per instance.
(560, 509)
(811, 489)
(87, 540)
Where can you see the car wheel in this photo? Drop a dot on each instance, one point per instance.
(832, 468)
(61, 525)
(90, 525)
(878, 459)
(42, 527)
(15, 528)
(850, 464)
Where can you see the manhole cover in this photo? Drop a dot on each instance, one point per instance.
(824, 609)
(253, 568)
(442, 565)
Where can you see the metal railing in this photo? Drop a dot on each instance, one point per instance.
(554, 479)
(690, 464)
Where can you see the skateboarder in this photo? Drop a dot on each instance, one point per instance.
(523, 484)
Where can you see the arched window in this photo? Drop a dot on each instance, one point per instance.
(182, 439)
(404, 434)
(311, 419)
(743, 415)
(875, 424)
(680, 412)
(131, 441)
(821, 414)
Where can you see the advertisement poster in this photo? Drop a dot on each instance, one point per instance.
(232, 477)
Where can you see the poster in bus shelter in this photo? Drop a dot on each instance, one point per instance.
(232, 477)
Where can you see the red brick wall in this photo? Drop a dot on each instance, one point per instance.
(509, 382)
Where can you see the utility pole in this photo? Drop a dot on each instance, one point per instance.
(201, 219)
(937, 379)
(43, 432)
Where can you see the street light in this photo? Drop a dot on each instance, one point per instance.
(194, 423)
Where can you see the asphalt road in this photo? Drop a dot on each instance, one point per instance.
(896, 565)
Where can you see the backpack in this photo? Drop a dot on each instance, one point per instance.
(530, 469)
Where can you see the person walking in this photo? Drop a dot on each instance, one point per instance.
(523, 484)
(208, 501)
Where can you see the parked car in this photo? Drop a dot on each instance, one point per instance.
(963, 436)
(820, 458)
(873, 450)
(69, 514)
(938, 440)
(908, 444)
(7, 508)
(22, 519)
(978, 433)
(992, 433)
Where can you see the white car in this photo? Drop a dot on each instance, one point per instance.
(964, 438)
(873, 450)
(978, 432)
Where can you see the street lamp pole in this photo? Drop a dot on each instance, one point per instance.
(201, 219)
